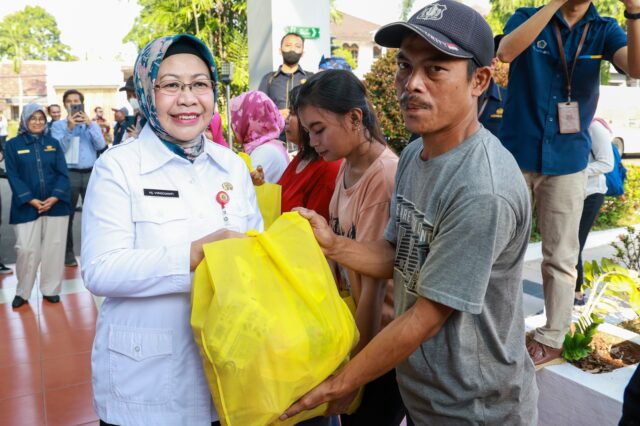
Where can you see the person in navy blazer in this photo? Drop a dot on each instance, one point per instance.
(40, 205)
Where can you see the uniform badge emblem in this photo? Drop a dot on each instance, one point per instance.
(541, 44)
(227, 186)
(222, 198)
(433, 12)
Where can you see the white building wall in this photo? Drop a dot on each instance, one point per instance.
(267, 21)
(365, 58)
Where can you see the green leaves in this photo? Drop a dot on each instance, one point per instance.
(380, 82)
(576, 345)
(610, 285)
(31, 34)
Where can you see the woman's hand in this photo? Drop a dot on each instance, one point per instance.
(257, 176)
(197, 253)
(47, 204)
(36, 204)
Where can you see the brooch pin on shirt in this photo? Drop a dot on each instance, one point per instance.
(222, 198)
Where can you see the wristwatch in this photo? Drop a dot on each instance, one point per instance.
(631, 15)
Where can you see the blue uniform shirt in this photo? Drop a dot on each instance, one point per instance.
(36, 169)
(91, 141)
(491, 116)
(537, 84)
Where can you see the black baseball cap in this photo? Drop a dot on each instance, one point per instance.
(128, 85)
(449, 26)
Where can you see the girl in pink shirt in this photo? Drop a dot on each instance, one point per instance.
(333, 108)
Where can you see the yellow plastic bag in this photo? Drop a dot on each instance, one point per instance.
(269, 322)
(269, 196)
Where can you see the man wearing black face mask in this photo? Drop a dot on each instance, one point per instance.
(277, 84)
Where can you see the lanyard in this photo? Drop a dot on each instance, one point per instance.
(568, 76)
(485, 101)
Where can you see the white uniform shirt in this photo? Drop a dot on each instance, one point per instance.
(272, 160)
(600, 159)
(144, 206)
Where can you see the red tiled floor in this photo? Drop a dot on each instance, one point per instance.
(28, 310)
(20, 351)
(20, 380)
(55, 320)
(67, 371)
(21, 411)
(72, 272)
(45, 359)
(18, 328)
(69, 302)
(66, 342)
(70, 406)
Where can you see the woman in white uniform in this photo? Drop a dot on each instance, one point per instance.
(151, 204)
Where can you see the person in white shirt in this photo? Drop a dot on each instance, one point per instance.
(151, 205)
(256, 124)
(600, 162)
(4, 130)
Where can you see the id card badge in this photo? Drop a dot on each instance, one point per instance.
(569, 117)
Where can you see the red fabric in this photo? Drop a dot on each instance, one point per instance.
(312, 188)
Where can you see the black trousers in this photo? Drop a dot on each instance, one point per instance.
(631, 402)
(381, 404)
(78, 181)
(590, 212)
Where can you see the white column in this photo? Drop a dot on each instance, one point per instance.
(267, 22)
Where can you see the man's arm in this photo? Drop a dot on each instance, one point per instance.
(397, 341)
(60, 131)
(628, 58)
(96, 137)
(516, 42)
(264, 86)
(372, 258)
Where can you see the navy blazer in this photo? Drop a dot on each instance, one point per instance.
(36, 168)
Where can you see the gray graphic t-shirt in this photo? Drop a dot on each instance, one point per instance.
(460, 223)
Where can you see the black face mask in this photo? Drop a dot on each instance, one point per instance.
(291, 57)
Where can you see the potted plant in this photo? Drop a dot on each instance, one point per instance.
(601, 356)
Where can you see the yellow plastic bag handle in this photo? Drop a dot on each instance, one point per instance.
(246, 159)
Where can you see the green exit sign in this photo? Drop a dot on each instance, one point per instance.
(306, 32)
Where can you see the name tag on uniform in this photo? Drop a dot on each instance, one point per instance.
(569, 117)
(49, 148)
(23, 151)
(161, 193)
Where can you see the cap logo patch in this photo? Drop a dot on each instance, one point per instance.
(449, 46)
(432, 12)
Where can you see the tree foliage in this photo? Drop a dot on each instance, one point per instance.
(346, 54)
(31, 34)
(405, 8)
(501, 10)
(221, 24)
(380, 84)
